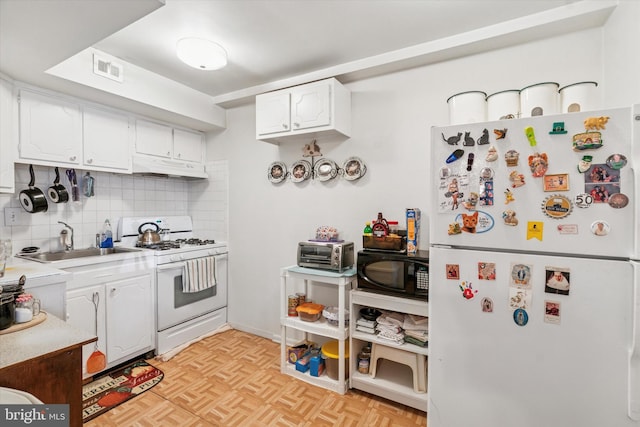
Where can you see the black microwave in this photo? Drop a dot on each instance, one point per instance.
(403, 275)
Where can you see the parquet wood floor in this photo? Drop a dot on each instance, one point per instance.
(233, 379)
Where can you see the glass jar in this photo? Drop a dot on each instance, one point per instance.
(27, 308)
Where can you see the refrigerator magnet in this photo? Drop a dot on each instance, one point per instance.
(521, 275)
(453, 271)
(552, 312)
(472, 201)
(509, 217)
(585, 164)
(452, 140)
(467, 290)
(500, 133)
(521, 317)
(557, 206)
(531, 136)
(616, 161)
(538, 163)
(519, 298)
(511, 157)
(600, 228)
(486, 271)
(492, 154)
(557, 280)
(508, 196)
(583, 200)
(487, 305)
(484, 138)
(517, 179)
(568, 228)
(587, 141)
(455, 156)
(618, 201)
(477, 222)
(534, 230)
(468, 140)
(486, 192)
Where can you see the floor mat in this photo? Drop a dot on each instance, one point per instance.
(117, 387)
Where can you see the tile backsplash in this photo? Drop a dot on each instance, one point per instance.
(116, 196)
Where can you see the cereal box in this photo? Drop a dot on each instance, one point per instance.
(413, 230)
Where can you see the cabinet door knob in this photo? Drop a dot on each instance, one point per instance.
(297, 125)
(168, 153)
(72, 158)
(89, 161)
(179, 155)
(113, 291)
(285, 126)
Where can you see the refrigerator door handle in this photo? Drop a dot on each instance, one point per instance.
(634, 352)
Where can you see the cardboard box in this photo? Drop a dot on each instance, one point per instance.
(413, 230)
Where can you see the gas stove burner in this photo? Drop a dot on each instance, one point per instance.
(162, 246)
(195, 241)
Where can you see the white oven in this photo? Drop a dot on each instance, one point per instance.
(182, 316)
(175, 306)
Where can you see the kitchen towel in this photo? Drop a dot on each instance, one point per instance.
(199, 274)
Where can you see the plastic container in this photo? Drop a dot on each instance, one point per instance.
(577, 97)
(106, 240)
(540, 99)
(503, 104)
(309, 312)
(330, 354)
(467, 107)
(331, 314)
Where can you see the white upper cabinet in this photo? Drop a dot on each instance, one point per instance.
(154, 139)
(107, 140)
(188, 146)
(7, 140)
(164, 141)
(306, 111)
(50, 130)
(59, 132)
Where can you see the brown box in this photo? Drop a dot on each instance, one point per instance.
(391, 243)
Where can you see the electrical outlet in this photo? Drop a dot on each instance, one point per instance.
(12, 216)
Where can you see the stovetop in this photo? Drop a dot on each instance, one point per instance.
(176, 244)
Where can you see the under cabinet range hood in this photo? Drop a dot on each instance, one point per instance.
(149, 165)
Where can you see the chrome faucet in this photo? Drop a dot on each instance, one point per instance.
(66, 236)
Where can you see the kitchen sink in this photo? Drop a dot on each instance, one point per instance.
(73, 254)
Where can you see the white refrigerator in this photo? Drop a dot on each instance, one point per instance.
(534, 292)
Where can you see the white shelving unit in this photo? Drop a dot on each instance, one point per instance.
(289, 284)
(393, 381)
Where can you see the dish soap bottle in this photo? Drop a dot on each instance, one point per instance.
(107, 235)
(367, 229)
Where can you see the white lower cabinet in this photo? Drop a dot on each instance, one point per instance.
(125, 314)
(393, 380)
(301, 279)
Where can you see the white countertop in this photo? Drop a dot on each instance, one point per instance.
(49, 336)
(35, 272)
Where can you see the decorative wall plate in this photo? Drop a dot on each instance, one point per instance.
(277, 172)
(325, 170)
(353, 169)
(300, 171)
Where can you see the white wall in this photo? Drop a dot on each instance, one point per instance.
(392, 116)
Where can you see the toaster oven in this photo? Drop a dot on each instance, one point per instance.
(334, 256)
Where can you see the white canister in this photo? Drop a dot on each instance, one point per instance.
(503, 105)
(578, 97)
(467, 107)
(540, 99)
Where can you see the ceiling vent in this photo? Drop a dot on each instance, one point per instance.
(109, 69)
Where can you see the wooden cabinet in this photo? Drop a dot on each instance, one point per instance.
(53, 378)
(307, 111)
(393, 381)
(50, 130)
(106, 140)
(289, 278)
(7, 140)
(125, 317)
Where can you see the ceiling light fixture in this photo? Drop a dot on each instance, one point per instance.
(201, 53)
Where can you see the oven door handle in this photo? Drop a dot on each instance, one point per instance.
(172, 266)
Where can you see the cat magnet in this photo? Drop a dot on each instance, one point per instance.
(452, 140)
(484, 138)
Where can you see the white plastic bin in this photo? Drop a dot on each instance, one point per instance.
(467, 107)
(540, 99)
(579, 97)
(503, 104)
